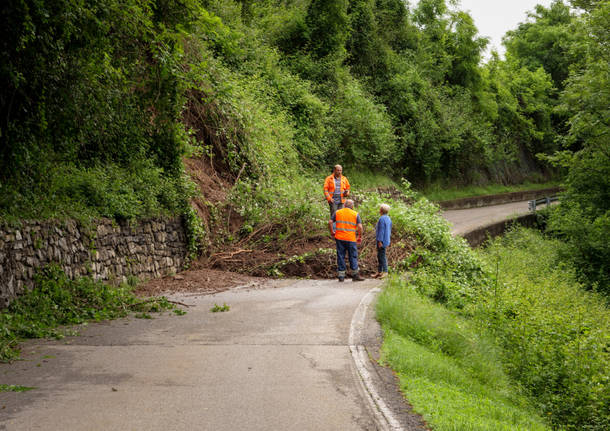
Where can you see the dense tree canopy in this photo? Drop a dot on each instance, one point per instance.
(98, 95)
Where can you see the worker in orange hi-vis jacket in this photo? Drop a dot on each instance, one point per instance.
(336, 189)
(346, 227)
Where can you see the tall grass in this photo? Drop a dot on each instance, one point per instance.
(449, 371)
(555, 335)
(516, 304)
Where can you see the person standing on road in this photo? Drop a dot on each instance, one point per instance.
(348, 234)
(383, 231)
(336, 189)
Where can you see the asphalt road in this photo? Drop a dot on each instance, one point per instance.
(282, 358)
(288, 355)
(469, 219)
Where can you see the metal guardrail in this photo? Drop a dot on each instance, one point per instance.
(546, 200)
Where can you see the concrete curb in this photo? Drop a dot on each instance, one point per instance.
(479, 235)
(378, 385)
(383, 415)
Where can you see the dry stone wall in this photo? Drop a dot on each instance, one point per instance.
(107, 250)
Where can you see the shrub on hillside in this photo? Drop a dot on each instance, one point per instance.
(555, 336)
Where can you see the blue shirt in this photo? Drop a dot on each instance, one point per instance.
(384, 230)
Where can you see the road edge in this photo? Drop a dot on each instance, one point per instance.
(379, 385)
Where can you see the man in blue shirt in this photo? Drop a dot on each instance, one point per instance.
(383, 231)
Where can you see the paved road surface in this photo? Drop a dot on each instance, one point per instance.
(469, 219)
(280, 359)
(290, 355)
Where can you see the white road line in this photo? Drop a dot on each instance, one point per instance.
(382, 412)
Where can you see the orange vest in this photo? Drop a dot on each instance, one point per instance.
(346, 224)
(329, 187)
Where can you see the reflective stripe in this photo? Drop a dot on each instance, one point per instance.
(346, 221)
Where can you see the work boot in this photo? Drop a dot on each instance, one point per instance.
(356, 277)
(341, 279)
(383, 275)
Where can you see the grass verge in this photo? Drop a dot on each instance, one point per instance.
(449, 372)
(56, 300)
(501, 338)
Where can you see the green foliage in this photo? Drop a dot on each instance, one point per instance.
(327, 28)
(90, 84)
(220, 309)
(14, 388)
(583, 218)
(544, 41)
(195, 233)
(293, 204)
(56, 300)
(261, 86)
(450, 371)
(360, 130)
(554, 335)
(141, 190)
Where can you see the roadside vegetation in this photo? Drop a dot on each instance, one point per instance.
(56, 302)
(448, 370)
(105, 104)
(496, 332)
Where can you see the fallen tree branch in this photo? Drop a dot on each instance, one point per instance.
(178, 303)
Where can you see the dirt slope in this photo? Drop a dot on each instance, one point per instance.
(227, 264)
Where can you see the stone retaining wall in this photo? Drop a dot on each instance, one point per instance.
(107, 250)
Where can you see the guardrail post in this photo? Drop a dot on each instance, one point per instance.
(532, 205)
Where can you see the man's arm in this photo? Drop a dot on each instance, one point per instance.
(360, 231)
(347, 187)
(327, 191)
(330, 228)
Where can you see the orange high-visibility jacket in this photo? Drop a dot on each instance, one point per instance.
(329, 187)
(346, 224)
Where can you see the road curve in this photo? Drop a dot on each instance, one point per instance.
(289, 355)
(282, 358)
(467, 220)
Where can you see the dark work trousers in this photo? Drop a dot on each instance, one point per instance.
(334, 207)
(382, 261)
(351, 249)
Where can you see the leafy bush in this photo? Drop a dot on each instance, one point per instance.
(139, 191)
(294, 204)
(450, 372)
(360, 130)
(555, 336)
(520, 292)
